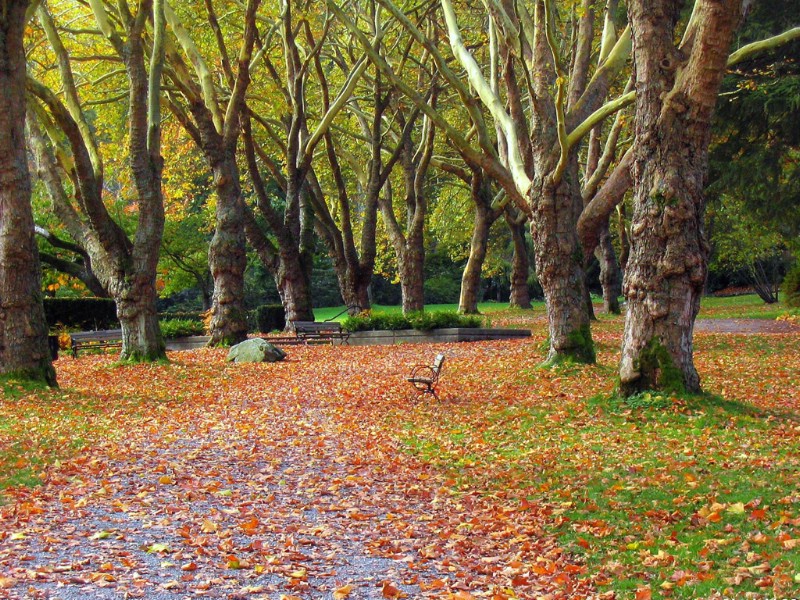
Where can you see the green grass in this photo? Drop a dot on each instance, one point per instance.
(749, 306)
(486, 308)
(643, 493)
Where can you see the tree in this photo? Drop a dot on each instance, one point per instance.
(24, 351)
(127, 269)
(538, 135)
(216, 133)
(676, 91)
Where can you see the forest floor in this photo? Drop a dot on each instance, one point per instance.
(325, 476)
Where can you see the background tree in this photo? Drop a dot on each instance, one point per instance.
(216, 133)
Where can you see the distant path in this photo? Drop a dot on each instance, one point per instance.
(745, 326)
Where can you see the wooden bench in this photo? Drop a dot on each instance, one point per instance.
(311, 332)
(425, 378)
(105, 338)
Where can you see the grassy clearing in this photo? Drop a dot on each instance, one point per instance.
(748, 306)
(486, 308)
(684, 497)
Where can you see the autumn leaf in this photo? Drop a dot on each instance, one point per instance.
(342, 592)
(7, 582)
(390, 591)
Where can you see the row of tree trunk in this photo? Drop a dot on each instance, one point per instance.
(676, 87)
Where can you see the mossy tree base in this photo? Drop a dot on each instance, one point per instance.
(657, 372)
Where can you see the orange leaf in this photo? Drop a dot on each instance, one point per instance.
(342, 592)
(389, 591)
(643, 594)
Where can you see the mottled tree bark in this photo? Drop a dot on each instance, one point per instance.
(676, 91)
(610, 274)
(217, 137)
(409, 245)
(559, 266)
(485, 216)
(24, 351)
(520, 264)
(227, 258)
(127, 269)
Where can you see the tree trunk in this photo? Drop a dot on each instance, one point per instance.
(411, 263)
(354, 286)
(559, 266)
(588, 296)
(610, 276)
(136, 310)
(294, 289)
(667, 266)
(520, 266)
(227, 258)
(24, 350)
(471, 278)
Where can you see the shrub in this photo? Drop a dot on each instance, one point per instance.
(425, 321)
(175, 328)
(184, 315)
(81, 313)
(422, 321)
(268, 317)
(791, 287)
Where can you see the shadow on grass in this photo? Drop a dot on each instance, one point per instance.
(686, 403)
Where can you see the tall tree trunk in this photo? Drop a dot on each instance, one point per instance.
(294, 287)
(23, 331)
(610, 275)
(227, 258)
(520, 265)
(559, 266)
(471, 278)
(411, 267)
(666, 271)
(485, 216)
(136, 310)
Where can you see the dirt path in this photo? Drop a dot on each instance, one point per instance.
(745, 326)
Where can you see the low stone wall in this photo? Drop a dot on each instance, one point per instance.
(412, 336)
(187, 343)
(385, 337)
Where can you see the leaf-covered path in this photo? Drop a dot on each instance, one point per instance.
(264, 481)
(325, 477)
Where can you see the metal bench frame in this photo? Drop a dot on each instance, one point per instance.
(425, 378)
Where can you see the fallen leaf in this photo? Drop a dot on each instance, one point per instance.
(342, 592)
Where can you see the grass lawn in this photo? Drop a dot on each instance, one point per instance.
(486, 308)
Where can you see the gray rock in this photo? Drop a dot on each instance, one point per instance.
(255, 350)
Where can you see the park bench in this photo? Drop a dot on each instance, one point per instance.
(425, 378)
(105, 338)
(311, 332)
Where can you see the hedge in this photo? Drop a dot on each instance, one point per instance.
(81, 313)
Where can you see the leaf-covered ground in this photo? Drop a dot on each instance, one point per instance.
(325, 477)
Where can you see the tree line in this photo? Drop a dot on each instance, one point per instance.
(323, 122)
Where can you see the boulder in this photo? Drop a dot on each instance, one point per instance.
(255, 350)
